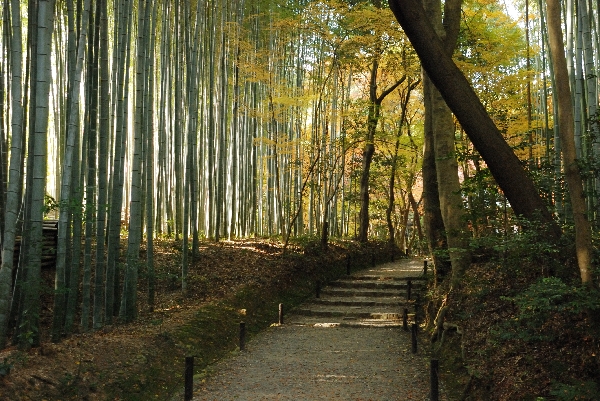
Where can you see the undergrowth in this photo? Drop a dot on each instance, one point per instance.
(528, 329)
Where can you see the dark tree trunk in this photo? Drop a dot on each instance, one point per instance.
(369, 149)
(364, 192)
(416, 219)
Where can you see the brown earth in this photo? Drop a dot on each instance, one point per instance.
(127, 361)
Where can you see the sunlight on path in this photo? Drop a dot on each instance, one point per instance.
(399, 268)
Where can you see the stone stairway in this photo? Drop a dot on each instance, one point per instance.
(375, 297)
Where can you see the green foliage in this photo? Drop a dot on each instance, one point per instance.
(305, 241)
(490, 52)
(546, 301)
(523, 252)
(50, 204)
(483, 199)
(584, 391)
(68, 384)
(5, 368)
(544, 176)
(27, 331)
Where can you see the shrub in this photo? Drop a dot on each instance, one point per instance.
(548, 299)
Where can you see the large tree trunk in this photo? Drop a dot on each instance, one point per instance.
(66, 191)
(103, 139)
(433, 221)
(30, 318)
(442, 128)
(449, 186)
(12, 194)
(583, 234)
(464, 103)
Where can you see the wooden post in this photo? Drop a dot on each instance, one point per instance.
(325, 235)
(242, 336)
(408, 289)
(405, 320)
(434, 394)
(373, 258)
(414, 338)
(417, 306)
(425, 267)
(189, 378)
(280, 313)
(318, 291)
(348, 265)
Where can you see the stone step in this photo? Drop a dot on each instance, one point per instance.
(318, 321)
(372, 284)
(367, 299)
(358, 312)
(393, 301)
(374, 323)
(368, 292)
(417, 279)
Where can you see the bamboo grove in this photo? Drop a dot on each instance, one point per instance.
(219, 120)
(192, 120)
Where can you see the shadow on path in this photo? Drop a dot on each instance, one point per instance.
(310, 360)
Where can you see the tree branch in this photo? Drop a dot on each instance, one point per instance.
(390, 90)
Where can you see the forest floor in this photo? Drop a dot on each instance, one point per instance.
(514, 334)
(521, 335)
(143, 360)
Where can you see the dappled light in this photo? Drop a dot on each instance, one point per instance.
(175, 175)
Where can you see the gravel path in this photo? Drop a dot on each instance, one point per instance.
(300, 362)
